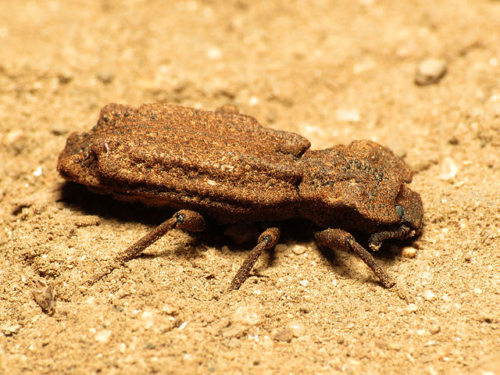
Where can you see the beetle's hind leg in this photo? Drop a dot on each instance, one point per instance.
(266, 240)
(342, 240)
(184, 219)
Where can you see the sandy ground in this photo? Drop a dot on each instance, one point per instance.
(333, 71)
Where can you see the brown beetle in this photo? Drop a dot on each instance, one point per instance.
(227, 166)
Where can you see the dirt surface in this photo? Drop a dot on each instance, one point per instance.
(331, 71)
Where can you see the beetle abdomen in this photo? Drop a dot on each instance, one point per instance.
(220, 164)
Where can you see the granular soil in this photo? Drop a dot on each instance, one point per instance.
(330, 71)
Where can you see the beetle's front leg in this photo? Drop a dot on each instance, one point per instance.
(401, 233)
(342, 240)
(184, 219)
(266, 240)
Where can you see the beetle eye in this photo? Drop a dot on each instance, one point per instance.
(400, 210)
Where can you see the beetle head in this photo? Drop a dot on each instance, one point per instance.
(409, 208)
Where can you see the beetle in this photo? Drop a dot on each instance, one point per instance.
(226, 166)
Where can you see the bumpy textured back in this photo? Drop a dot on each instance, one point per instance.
(354, 187)
(221, 164)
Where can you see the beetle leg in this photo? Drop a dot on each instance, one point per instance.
(266, 240)
(184, 219)
(342, 240)
(401, 233)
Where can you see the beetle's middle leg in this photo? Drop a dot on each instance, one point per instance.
(266, 240)
(184, 219)
(342, 240)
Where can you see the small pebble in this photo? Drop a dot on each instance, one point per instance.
(169, 309)
(449, 169)
(103, 336)
(14, 136)
(65, 77)
(434, 328)
(286, 335)
(296, 328)
(299, 249)
(429, 295)
(59, 129)
(411, 308)
(430, 71)
(10, 329)
(409, 252)
(44, 296)
(105, 77)
(247, 316)
(394, 346)
(87, 221)
(232, 331)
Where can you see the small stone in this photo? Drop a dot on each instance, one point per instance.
(411, 308)
(44, 296)
(65, 77)
(87, 221)
(394, 346)
(103, 336)
(105, 77)
(285, 335)
(430, 71)
(434, 328)
(449, 169)
(14, 136)
(232, 331)
(247, 316)
(298, 249)
(59, 129)
(10, 329)
(169, 309)
(296, 328)
(429, 295)
(409, 252)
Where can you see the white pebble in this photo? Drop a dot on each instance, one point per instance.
(299, 249)
(429, 295)
(430, 71)
(297, 328)
(409, 252)
(103, 336)
(411, 308)
(247, 316)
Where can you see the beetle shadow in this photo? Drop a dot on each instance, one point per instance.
(79, 199)
(84, 202)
